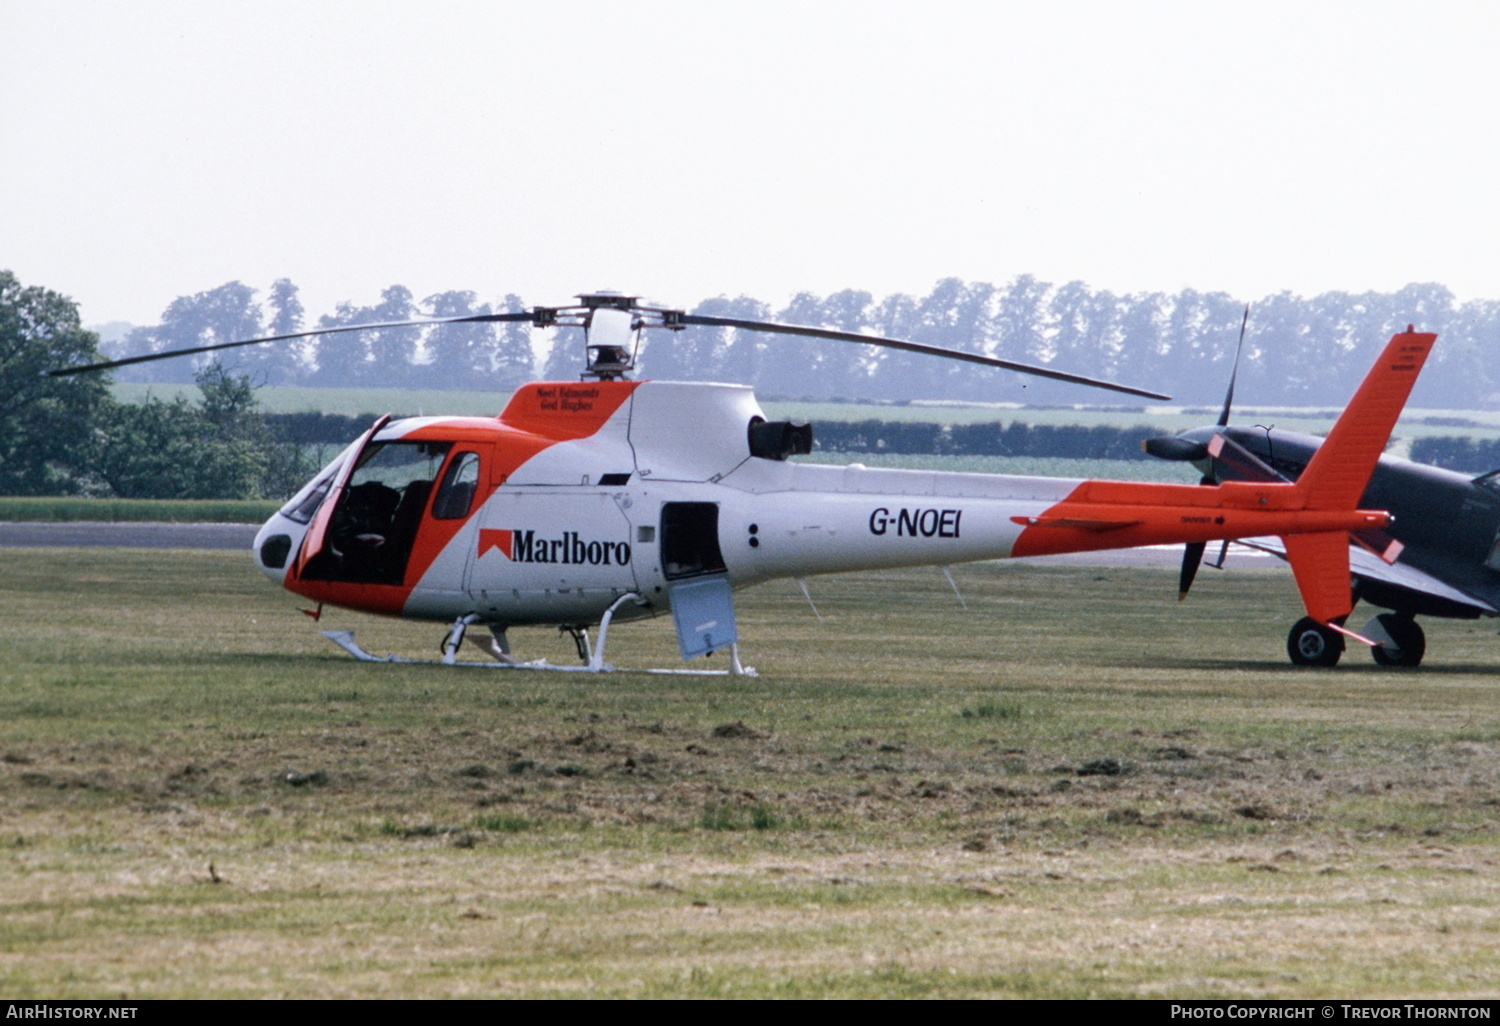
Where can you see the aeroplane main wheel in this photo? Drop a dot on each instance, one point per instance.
(1312, 644)
(1408, 642)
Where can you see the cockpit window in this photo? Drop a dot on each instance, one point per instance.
(456, 493)
(398, 465)
(306, 502)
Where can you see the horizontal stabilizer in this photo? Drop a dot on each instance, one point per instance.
(1368, 566)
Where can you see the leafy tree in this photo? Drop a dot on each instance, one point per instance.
(223, 314)
(895, 316)
(700, 353)
(220, 448)
(511, 361)
(286, 308)
(744, 355)
(384, 357)
(280, 362)
(810, 367)
(44, 422)
(161, 450)
(1088, 337)
(475, 356)
(565, 357)
(230, 407)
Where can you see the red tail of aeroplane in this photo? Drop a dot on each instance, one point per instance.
(1313, 516)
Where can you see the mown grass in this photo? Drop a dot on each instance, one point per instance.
(201, 797)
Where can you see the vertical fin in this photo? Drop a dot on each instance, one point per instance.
(1336, 476)
(1320, 562)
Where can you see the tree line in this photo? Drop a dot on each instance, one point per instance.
(68, 436)
(1299, 350)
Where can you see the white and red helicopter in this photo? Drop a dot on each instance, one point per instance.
(608, 499)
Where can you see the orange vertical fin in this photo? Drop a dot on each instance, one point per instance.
(1320, 562)
(1336, 476)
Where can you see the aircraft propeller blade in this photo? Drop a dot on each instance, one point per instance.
(529, 315)
(911, 347)
(1192, 558)
(1234, 370)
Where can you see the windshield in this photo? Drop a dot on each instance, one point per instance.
(306, 502)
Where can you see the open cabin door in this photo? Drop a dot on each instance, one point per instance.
(367, 529)
(697, 581)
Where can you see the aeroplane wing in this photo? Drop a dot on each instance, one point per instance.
(1363, 563)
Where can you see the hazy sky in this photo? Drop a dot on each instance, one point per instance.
(681, 150)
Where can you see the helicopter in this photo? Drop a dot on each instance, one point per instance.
(613, 499)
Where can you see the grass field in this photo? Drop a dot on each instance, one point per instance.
(1077, 787)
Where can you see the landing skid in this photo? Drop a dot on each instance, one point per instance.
(345, 640)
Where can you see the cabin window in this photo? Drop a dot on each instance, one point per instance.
(456, 494)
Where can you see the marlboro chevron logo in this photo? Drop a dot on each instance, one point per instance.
(526, 547)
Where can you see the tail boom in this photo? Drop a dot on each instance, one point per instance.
(1118, 514)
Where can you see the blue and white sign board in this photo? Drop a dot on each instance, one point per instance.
(703, 610)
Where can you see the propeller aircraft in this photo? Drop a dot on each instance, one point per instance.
(611, 499)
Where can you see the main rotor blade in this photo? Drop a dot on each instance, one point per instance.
(913, 347)
(149, 357)
(1234, 370)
